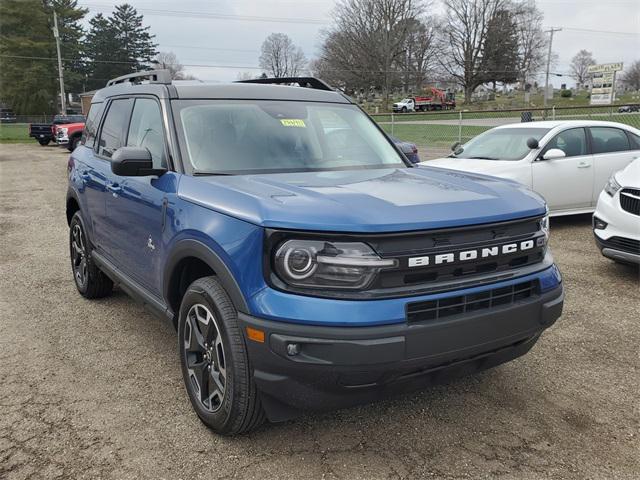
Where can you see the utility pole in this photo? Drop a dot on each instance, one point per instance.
(546, 82)
(56, 34)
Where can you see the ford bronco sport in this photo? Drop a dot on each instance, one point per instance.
(303, 260)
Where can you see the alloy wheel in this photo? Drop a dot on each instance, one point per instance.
(79, 255)
(205, 358)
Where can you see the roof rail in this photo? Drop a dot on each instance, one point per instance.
(154, 76)
(308, 82)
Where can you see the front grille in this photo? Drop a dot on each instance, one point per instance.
(630, 200)
(623, 244)
(450, 306)
(432, 243)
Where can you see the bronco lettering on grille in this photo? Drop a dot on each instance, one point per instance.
(474, 254)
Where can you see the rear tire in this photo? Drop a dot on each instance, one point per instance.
(91, 282)
(215, 363)
(44, 143)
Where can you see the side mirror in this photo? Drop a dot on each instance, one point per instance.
(406, 148)
(554, 153)
(532, 143)
(133, 162)
(455, 146)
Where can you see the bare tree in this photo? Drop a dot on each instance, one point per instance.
(280, 57)
(580, 67)
(169, 61)
(420, 53)
(367, 42)
(532, 41)
(245, 76)
(631, 76)
(466, 27)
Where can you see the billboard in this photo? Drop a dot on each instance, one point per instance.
(603, 82)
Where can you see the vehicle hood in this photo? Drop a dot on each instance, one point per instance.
(499, 168)
(380, 200)
(630, 175)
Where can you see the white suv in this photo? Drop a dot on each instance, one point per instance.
(616, 222)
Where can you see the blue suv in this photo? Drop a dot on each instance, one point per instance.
(303, 260)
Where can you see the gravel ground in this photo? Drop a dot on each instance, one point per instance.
(92, 389)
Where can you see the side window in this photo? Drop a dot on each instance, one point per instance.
(607, 139)
(635, 141)
(91, 125)
(146, 130)
(114, 128)
(572, 142)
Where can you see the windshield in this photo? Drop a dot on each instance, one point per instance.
(501, 144)
(240, 136)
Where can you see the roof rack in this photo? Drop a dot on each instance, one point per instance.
(153, 76)
(308, 82)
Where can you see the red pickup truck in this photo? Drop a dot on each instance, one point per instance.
(68, 135)
(46, 132)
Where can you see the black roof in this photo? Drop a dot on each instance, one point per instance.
(222, 91)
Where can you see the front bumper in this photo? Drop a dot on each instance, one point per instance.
(620, 238)
(307, 367)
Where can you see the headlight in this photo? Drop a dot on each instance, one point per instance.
(612, 186)
(324, 264)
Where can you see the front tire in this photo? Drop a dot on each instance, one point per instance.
(73, 143)
(91, 282)
(215, 364)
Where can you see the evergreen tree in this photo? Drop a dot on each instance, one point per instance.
(134, 40)
(102, 52)
(27, 85)
(500, 50)
(117, 45)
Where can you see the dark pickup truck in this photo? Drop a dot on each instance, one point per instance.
(44, 132)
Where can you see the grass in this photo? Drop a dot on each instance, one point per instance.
(14, 133)
(434, 135)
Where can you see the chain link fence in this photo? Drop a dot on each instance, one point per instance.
(435, 132)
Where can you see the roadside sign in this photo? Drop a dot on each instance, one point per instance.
(603, 83)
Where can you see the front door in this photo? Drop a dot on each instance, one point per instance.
(565, 183)
(137, 209)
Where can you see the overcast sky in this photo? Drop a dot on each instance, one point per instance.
(228, 34)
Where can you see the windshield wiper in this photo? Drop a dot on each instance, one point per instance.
(484, 158)
(204, 173)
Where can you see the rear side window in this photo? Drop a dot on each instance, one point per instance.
(572, 142)
(146, 130)
(91, 126)
(606, 139)
(114, 127)
(635, 141)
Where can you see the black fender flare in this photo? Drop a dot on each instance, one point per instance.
(194, 248)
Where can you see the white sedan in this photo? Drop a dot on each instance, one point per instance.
(567, 162)
(616, 223)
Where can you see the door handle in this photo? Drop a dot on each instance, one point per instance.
(114, 188)
(584, 165)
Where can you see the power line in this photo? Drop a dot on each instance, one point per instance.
(217, 16)
(199, 65)
(608, 32)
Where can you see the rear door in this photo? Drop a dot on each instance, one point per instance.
(112, 136)
(93, 175)
(565, 183)
(613, 149)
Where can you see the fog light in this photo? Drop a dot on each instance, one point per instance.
(599, 224)
(293, 349)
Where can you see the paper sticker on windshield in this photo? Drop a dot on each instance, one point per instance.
(292, 122)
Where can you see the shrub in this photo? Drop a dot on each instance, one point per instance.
(566, 93)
